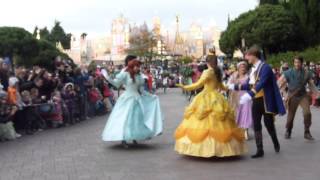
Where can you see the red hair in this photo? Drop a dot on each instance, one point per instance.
(130, 68)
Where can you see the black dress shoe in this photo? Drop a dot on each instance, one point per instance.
(287, 135)
(259, 154)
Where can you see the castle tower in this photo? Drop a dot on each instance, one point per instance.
(178, 42)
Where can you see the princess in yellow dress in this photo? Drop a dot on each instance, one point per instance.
(209, 128)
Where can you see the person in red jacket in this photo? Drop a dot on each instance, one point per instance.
(149, 80)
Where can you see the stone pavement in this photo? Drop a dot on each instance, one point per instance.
(77, 153)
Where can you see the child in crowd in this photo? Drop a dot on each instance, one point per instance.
(69, 97)
(107, 97)
(7, 112)
(77, 112)
(57, 112)
(96, 101)
(13, 92)
(33, 120)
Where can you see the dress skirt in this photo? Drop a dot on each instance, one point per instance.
(134, 117)
(209, 128)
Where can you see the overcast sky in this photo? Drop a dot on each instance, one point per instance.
(95, 16)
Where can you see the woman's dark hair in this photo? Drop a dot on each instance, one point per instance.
(129, 58)
(300, 58)
(213, 61)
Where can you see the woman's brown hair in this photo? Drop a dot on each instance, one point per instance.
(213, 61)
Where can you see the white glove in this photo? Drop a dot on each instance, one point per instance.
(105, 74)
(245, 98)
(231, 86)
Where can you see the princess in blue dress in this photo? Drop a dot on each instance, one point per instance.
(136, 115)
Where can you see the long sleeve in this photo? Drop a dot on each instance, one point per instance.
(265, 76)
(118, 81)
(200, 83)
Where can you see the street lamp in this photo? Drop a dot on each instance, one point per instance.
(243, 46)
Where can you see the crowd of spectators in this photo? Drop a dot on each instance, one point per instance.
(33, 99)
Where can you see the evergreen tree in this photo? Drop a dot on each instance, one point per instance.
(308, 13)
(45, 34)
(262, 2)
(58, 35)
(313, 24)
(35, 32)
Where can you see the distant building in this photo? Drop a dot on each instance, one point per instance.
(120, 32)
(195, 41)
(79, 49)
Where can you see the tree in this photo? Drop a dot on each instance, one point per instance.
(185, 60)
(262, 2)
(314, 21)
(225, 44)
(26, 50)
(84, 35)
(308, 13)
(45, 34)
(17, 41)
(142, 42)
(35, 32)
(58, 35)
(270, 26)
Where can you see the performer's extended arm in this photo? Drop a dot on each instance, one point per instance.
(200, 83)
(118, 81)
(264, 76)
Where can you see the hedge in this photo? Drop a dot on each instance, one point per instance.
(310, 54)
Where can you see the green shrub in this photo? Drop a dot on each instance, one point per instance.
(310, 54)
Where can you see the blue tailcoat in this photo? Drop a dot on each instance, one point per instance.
(267, 82)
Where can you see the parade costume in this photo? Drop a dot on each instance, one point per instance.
(267, 102)
(209, 128)
(136, 114)
(297, 80)
(243, 111)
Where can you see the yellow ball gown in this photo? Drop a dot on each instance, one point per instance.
(209, 128)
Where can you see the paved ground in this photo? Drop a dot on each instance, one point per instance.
(77, 153)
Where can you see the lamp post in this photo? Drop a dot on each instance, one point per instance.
(243, 46)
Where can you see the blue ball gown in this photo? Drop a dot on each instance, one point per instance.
(136, 114)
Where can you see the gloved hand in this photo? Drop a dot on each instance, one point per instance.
(231, 86)
(105, 74)
(179, 85)
(154, 96)
(245, 98)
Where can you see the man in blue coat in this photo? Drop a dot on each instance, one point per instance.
(263, 90)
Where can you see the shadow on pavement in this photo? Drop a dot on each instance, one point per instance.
(214, 159)
(138, 147)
